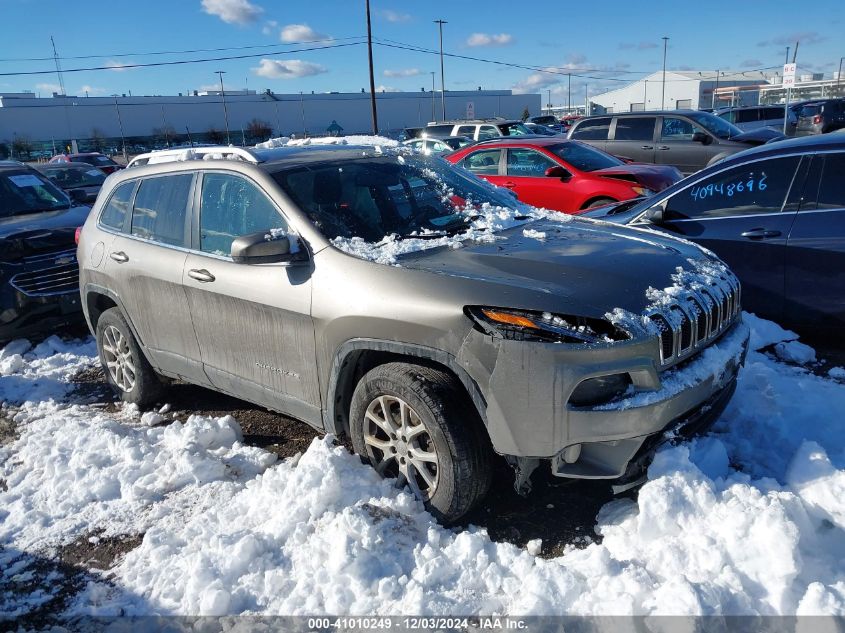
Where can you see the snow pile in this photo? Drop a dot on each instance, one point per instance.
(748, 520)
(353, 139)
(534, 234)
(795, 352)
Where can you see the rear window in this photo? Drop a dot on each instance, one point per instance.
(592, 130)
(72, 176)
(810, 110)
(160, 208)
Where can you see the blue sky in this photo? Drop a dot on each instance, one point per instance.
(618, 41)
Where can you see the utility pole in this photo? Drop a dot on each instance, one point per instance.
(786, 61)
(225, 110)
(58, 67)
(550, 100)
(433, 112)
(120, 123)
(569, 93)
(372, 78)
(645, 94)
(440, 24)
(713, 100)
(839, 75)
(663, 95)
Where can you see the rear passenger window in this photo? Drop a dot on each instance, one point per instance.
(635, 129)
(755, 188)
(485, 162)
(592, 130)
(160, 207)
(832, 186)
(115, 212)
(466, 130)
(232, 206)
(747, 116)
(486, 132)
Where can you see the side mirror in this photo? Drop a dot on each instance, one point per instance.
(558, 172)
(263, 248)
(701, 137)
(654, 214)
(78, 195)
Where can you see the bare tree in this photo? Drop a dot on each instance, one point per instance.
(525, 114)
(258, 129)
(215, 136)
(98, 139)
(22, 147)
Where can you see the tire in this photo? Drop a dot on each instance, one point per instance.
(141, 386)
(600, 202)
(451, 430)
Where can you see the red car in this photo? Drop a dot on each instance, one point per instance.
(100, 161)
(556, 173)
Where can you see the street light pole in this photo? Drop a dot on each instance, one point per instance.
(372, 78)
(713, 99)
(569, 93)
(440, 24)
(839, 75)
(663, 95)
(433, 112)
(225, 110)
(120, 123)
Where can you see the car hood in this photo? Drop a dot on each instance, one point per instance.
(758, 136)
(34, 233)
(655, 177)
(581, 266)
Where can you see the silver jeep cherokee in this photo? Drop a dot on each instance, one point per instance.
(477, 326)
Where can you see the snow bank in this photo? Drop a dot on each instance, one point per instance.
(748, 520)
(353, 139)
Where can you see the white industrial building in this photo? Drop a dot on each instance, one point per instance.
(54, 122)
(684, 89)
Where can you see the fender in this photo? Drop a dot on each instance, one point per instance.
(334, 420)
(97, 289)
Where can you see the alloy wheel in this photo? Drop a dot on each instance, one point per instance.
(118, 357)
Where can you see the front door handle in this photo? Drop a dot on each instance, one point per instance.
(759, 234)
(119, 256)
(647, 147)
(201, 275)
(509, 185)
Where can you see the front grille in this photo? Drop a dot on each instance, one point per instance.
(60, 277)
(699, 316)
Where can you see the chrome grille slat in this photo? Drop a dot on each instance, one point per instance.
(48, 281)
(696, 319)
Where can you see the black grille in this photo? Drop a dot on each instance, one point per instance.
(56, 279)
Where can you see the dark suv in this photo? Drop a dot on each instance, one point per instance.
(39, 276)
(687, 139)
(821, 117)
(411, 306)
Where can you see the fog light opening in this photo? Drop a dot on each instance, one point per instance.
(572, 453)
(599, 390)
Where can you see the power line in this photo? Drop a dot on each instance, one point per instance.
(181, 61)
(182, 52)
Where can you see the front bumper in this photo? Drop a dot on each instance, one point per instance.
(528, 412)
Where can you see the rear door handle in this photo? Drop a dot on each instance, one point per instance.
(119, 256)
(664, 147)
(759, 234)
(201, 275)
(647, 147)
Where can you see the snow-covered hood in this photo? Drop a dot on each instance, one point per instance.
(580, 264)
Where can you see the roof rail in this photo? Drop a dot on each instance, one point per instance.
(220, 152)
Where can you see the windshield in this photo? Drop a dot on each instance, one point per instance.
(27, 192)
(716, 126)
(374, 197)
(94, 160)
(74, 176)
(514, 129)
(583, 157)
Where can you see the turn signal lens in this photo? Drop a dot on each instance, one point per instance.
(510, 319)
(76, 235)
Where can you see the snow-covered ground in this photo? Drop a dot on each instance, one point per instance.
(747, 520)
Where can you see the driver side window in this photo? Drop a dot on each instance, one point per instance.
(232, 206)
(675, 129)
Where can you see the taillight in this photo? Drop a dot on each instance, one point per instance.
(76, 235)
(817, 119)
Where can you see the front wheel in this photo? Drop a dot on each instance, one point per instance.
(600, 202)
(414, 423)
(126, 367)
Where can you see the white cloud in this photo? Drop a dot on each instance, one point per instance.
(483, 39)
(91, 90)
(233, 11)
(117, 66)
(287, 69)
(403, 72)
(537, 81)
(384, 88)
(301, 33)
(51, 88)
(269, 27)
(394, 16)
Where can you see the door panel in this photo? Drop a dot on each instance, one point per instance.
(675, 146)
(253, 322)
(815, 268)
(526, 177)
(634, 138)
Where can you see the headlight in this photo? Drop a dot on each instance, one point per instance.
(544, 327)
(643, 191)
